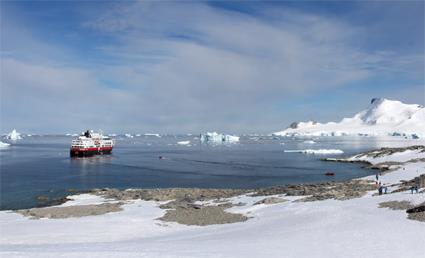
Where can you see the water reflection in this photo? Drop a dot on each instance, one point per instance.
(90, 161)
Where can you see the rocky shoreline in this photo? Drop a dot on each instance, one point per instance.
(181, 204)
(196, 206)
(382, 152)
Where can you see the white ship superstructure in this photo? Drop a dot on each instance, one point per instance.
(91, 143)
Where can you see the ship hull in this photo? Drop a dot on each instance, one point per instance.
(89, 152)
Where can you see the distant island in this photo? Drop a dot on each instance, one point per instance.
(383, 117)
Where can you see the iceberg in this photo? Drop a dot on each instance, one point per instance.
(318, 151)
(128, 135)
(4, 145)
(14, 135)
(383, 117)
(183, 142)
(215, 137)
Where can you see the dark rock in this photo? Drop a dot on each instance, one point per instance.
(270, 200)
(420, 181)
(419, 208)
(419, 216)
(396, 205)
(293, 125)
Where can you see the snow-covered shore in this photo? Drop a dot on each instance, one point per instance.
(328, 228)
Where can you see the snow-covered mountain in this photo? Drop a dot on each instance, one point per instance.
(382, 117)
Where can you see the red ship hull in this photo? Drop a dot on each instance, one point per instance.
(88, 152)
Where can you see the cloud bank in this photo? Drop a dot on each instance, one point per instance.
(185, 67)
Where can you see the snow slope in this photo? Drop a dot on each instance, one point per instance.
(382, 117)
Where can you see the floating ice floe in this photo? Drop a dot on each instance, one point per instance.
(4, 145)
(183, 142)
(309, 142)
(14, 135)
(318, 151)
(128, 135)
(219, 138)
(152, 134)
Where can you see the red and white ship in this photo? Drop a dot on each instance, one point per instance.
(90, 143)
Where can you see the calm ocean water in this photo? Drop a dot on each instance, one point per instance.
(40, 165)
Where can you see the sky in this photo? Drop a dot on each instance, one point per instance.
(194, 66)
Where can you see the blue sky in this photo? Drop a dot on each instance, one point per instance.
(175, 67)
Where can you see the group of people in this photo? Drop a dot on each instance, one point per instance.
(414, 188)
(381, 189)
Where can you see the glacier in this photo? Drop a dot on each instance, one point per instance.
(383, 117)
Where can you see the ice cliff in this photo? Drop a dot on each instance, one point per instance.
(218, 138)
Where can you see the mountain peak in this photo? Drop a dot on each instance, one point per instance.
(381, 117)
(377, 101)
(383, 111)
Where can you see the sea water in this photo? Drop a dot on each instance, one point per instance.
(40, 165)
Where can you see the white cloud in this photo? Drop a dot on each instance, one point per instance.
(56, 98)
(190, 67)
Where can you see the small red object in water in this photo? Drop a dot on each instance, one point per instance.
(329, 174)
